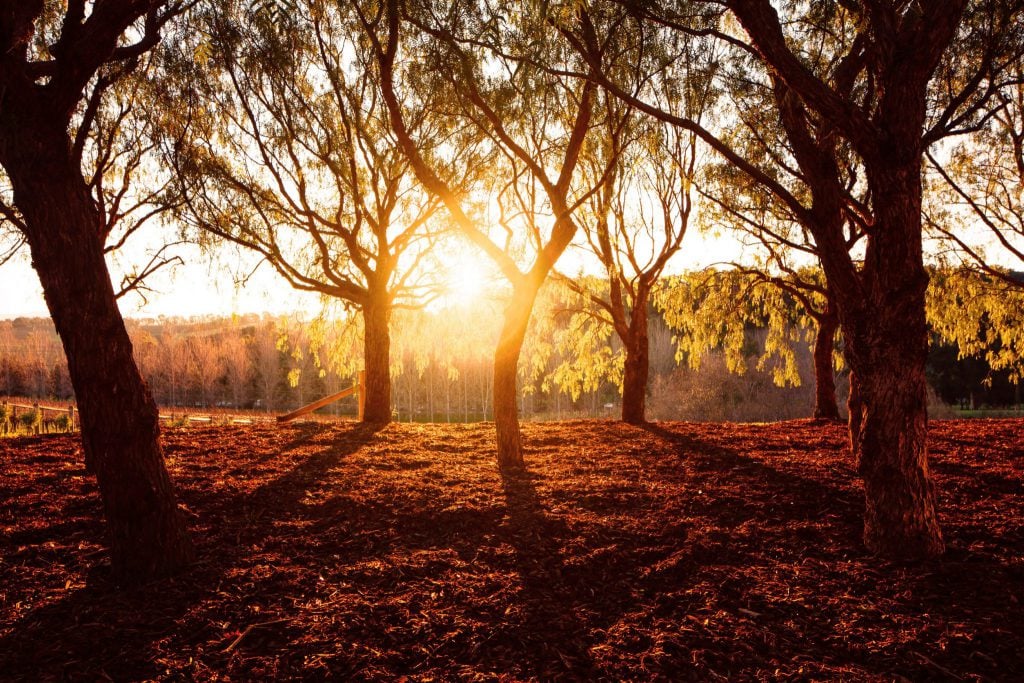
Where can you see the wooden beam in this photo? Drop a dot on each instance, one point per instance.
(320, 404)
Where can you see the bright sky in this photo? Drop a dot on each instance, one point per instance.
(210, 285)
(207, 285)
(200, 288)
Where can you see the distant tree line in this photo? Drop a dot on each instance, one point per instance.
(757, 361)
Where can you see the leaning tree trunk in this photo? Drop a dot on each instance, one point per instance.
(888, 351)
(377, 355)
(119, 418)
(506, 366)
(637, 367)
(825, 405)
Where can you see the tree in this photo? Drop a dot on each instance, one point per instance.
(237, 363)
(52, 54)
(872, 92)
(537, 124)
(286, 150)
(635, 224)
(778, 242)
(981, 313)
(267, 361)
(898, 49)
(204, 362)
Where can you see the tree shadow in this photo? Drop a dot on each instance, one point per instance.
(50, 639)
(953, 589)
(710, 457)
(550, 637)
(543, 602)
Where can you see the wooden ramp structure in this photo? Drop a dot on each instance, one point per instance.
(358, 387)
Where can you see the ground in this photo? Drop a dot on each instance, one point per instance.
(676, 551)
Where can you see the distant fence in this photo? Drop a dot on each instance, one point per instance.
(42, 418)
(49, 418)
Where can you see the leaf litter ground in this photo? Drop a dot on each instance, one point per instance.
(677, 551)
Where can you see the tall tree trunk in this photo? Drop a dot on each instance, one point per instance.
(637, 367)
(506, 365)
(888, 351)
(119, 419)
(377, 355)
(825, 405)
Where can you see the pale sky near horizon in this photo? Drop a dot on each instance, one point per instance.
(206, 285)
(200, 288)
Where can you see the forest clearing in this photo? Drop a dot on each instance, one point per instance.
(675, 550)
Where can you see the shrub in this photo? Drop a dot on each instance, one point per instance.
(31, 421)
(62, 423)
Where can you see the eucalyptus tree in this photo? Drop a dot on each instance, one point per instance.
(887, 80)
(286, 149)
(59, 61)
(634, 225)
(981, 313)
(715, 309)
(499, 69)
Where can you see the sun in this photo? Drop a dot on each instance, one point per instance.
(467, 278)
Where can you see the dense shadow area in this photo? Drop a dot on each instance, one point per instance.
(682, 551)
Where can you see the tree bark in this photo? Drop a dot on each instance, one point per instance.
(888, 350)
(637, 367)
(506, 366)
(825, 405)
(377, 355)
(119, 418)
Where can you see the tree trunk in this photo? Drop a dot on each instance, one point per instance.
(506, 365)
(900, 519)
(119, 419)
(637, 368)
(888, 349)
(825, 405)
(377, 355)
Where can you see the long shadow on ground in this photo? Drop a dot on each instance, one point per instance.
(640, 553)
(93, 621)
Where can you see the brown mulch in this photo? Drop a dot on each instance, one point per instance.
(679, 551)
